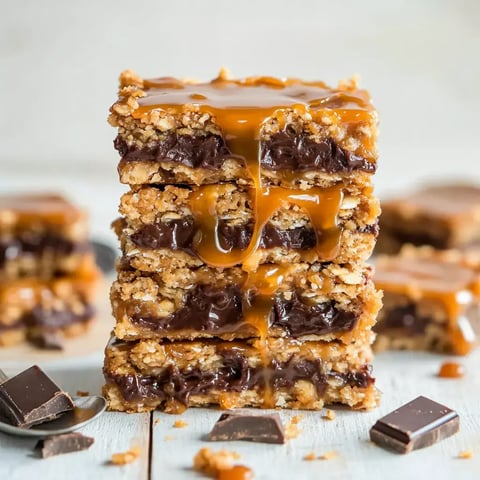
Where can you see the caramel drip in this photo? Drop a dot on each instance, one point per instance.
(321, 204)
(262, 285)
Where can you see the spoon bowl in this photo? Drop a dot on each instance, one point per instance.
(86, 409)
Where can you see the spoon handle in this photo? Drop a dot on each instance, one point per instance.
(3, 376)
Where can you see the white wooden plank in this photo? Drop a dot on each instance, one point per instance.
(402, 377)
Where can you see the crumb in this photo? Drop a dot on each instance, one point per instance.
(329, 415)
(211, 463)
(125, 457)
(310, 456)
(81, 393)
(328, 455)
(465, 454)
(168, 438)
(296, 419)
(292, 431)
(180, 424)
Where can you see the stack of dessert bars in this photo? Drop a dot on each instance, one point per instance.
(48, 275)
(244, 233)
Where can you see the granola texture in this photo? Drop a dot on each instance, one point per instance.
(157, 299)
(340, 375)
(145, 128)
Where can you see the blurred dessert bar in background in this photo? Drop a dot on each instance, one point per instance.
(47, 269)
(431, 301)
(245, 235)
(443, 216)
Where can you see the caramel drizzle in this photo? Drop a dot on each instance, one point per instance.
(263, 284)
(321, 205)
(240, 108)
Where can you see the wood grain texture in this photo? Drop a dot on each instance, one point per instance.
(113, 432)
(401, 376)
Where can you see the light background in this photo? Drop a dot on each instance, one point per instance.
(60, 61)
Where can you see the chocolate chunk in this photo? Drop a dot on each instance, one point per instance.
(66, 443)
(417, 424)
(31, 398)
(249, 427)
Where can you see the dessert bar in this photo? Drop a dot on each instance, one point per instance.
(431, 301)
(31, 308)
(41, 235)
(48, 274)
(245, 233)
(442, 216)
(302, 300)
(282, 373)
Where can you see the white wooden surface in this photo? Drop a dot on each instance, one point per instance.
(401, 376)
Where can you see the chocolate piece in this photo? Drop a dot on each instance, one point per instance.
(66, 443)
(31, 398)
(220, 310)
(249, 427)
(284, 151)
(417, 424)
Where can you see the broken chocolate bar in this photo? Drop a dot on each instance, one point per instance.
(249, 427)
(66, 443)
(417, 424)
(31, 398)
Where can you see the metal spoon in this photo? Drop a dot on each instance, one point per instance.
(86, 409)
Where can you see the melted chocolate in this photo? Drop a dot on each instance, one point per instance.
(196, 152)
(288, 151)
(298, 318)
(50, 320)
(217, 310)
(235, 376)
(206, 309)
(404, 318)
(283, 151)
(179, 235)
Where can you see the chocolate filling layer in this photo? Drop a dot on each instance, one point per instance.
(50, 320)
(404, 318)
(284, 151)
(440, 242)
(37, 245)
(234, 376)
(217, 310)
(179, 234)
